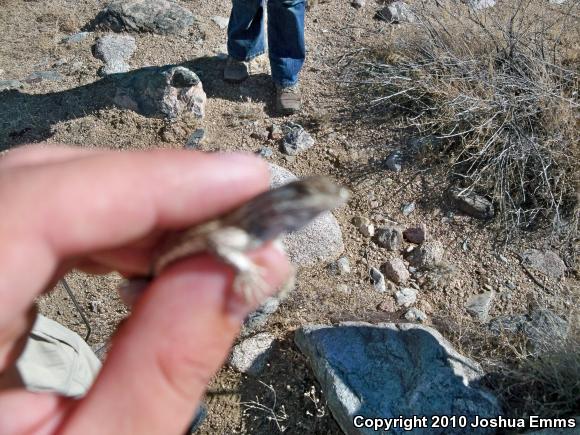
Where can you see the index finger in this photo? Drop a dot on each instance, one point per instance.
(69, 208)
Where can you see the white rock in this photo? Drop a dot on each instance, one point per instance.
(251, 354)
(406, 297)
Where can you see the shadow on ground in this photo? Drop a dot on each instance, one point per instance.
(27, 118)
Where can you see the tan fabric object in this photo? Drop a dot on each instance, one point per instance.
(56, 359)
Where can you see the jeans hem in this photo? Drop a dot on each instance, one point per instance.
(247, 58)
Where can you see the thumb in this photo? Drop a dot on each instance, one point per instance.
(166, 353)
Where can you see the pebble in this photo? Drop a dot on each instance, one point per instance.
(296, 140)
(479, 305)
(194, 140)
(377, 279)
(276, 132)
(40, 76)
(75, 38)
(343, 288)
(396, 271)
(390, 237)
(222, 22)
(415, 315)
(406, 297)
(394, 161)
(265, 152)
(358, 4)
(115, 50)
(367, 229)
(407, 209)
(251, 354)
(260, 134)
(427, 255)
(340, 266)
(416, 234)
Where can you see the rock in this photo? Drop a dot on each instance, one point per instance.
(222, 22)
(406, 297)
(415, 315)
(367, 229)
(259, 318)
(276, 132)
(251, 354)
(296, 139)
(471, 204)
(480, 4)
(115, 51)
(407, 209)
(343, 288)
(377, 279)
(392, 370)
(545, 330)
(194, 140)
(156, 16)
(397, 12)
(479, 305)
(265, 152)
(510, 324)
(396, 271)
(7, 85)
(340, 266)
(319, 241)
(163, 92)
(358, 4)
(41, 76)
(388, 306)
(260, 134)
(548, 262)
(416, 234)
(75, 38)
(427, 255)
(394, 161)
(390, 237)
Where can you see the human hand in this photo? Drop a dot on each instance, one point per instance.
(99, 211)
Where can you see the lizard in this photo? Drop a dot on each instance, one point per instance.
(263, 218)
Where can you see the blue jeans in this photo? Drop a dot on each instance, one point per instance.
(285, 35)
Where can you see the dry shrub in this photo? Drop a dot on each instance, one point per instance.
(496, 93)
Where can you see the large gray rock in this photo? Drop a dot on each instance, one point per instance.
(548, 262)
(321, 240)
(391, 370)
(390, 237)
(164, 92)
(156, 16)
(115, 51)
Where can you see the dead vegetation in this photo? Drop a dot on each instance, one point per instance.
(492, 93)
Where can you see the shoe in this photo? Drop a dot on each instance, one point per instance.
(236, 70)
(288, 99)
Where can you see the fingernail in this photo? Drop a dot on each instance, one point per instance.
(131, 290)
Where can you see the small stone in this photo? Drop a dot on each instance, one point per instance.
(417, 234)
(251, 354)
(394, 161)
(357, 221)
(480, 4)
(479, 305)
(95, 306)
(115, 51)
(388, 305)
(407, 209)
(343, 288)
(265, 152)
(358, 4)
(367, 229)
(396, 271)
(471, 204)
(397, 12)
(427, 255)
(194, 140)
(390, 237)
(340, 266)
(488, 287)
(378, 279)
(510, 285)
(41, 76)
(296, 139)
(75, 38)
(406, 297)
(7, 85)
(415, 315)
(276, 132)
(548, 262)
(222, 22)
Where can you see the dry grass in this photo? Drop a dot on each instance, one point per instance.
(498, 89)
